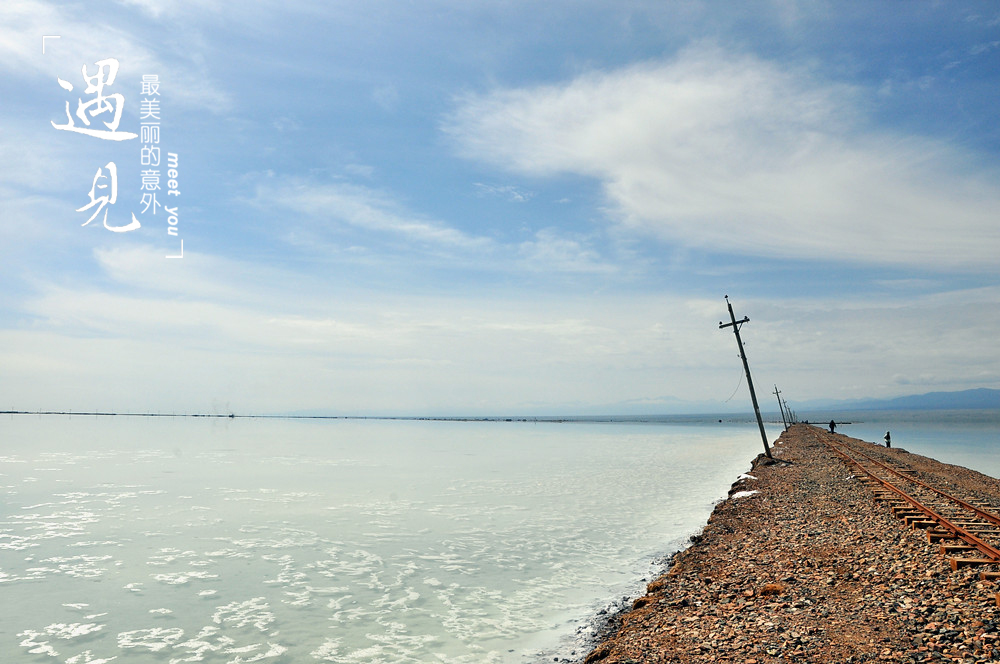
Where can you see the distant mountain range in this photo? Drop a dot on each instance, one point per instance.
(976, 399)
(980, 398)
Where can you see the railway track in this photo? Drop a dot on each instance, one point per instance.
(967, 530)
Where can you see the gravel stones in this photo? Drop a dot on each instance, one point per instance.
(810, 569)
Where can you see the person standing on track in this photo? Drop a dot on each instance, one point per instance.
(888, 440)
(833, 426)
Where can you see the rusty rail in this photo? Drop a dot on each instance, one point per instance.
(957, 531)
(992, 518)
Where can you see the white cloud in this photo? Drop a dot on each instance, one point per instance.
(183, 348)
(549, 251)
(34, 160)
(870, 347)
(184, 345)
(364, 208)
(227, 10)
(504, 191)
(143, 268)
(84, 40)
(739, 154)
(327, 206)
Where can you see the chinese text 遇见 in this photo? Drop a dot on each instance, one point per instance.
(104, 189)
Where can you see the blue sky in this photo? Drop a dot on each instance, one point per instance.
(500, 207)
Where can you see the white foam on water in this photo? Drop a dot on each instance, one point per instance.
(87, 657)
(17, 542)
(30, 639)
(72, 630)
(84, 567)
(153, 639)
(182, 578)
(254, 612)
(328, 651)
(170, 555)
(201, 644)
(454, 548)
(228, 553)
(34, 646)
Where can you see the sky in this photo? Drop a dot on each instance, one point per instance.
(446, 207)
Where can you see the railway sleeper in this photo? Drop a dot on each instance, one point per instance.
(934, 536)
(911, 516)
(955, 548)
(957, 563)
(905, 511)
(988, 532)
(979, 525)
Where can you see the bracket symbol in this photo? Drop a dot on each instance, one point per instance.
(44, 37)
(182, 251)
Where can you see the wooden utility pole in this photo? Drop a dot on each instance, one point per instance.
(746, 367)
(790, 412)
(777, 393)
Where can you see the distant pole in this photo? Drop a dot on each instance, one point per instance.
(791, 413)
(777, 393)
(746, 367)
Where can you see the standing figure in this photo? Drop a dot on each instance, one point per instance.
(833, 426)
(888, 440)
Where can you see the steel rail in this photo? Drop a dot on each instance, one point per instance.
(992, 518)
(941, 520)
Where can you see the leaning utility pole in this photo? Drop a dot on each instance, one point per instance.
(777, 393)
(792, 419)
(746, 367)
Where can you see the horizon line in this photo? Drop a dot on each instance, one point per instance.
(467, 418)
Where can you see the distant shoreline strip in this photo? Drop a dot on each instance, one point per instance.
(612, 419)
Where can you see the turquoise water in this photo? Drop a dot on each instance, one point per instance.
(178, 540)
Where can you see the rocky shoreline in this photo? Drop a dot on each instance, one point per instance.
(799, 564)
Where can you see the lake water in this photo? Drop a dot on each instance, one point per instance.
(228, 541)
(195, 540)
(969, 438)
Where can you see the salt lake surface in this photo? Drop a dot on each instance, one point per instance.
(969, 438)
(177, 540)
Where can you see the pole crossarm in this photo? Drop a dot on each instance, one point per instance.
(746, 319)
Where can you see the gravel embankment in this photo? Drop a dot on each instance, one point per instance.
(810, 569)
